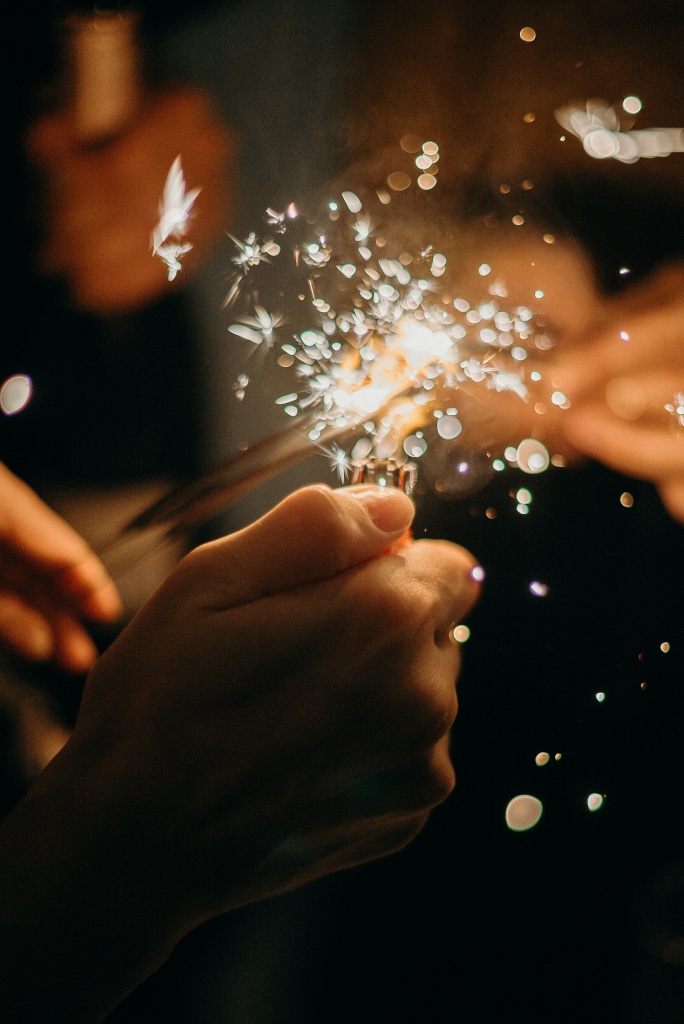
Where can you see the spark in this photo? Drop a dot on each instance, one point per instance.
(259, 328)
(676, 408)
(377, 347)
(171, 253)
(173, 220)
(251, 253)
(340, 461)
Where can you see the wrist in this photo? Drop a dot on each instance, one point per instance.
(80, 907)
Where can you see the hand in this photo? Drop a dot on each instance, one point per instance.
(50, 581)
(556, 282)
(623, 378)
(278, 710)
(103, 201)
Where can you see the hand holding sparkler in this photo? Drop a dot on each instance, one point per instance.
(278, 711)
(626, 384)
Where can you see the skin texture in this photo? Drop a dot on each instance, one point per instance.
(619, 386)
(279, 710)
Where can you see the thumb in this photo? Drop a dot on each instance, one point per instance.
(312, 535)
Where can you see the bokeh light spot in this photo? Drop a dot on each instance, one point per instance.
(631, 104)
(460, 634)
(411, 143)
(426, 182)
(398, 181)
(449, 427)
(15, 393)
(532, 456)
(523, 812)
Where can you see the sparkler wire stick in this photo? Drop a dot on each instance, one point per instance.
(190, 505)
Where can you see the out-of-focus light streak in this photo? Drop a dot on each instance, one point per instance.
(599, 128)
(173, 220)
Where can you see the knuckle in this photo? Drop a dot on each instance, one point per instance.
(435, 716)
(315, 513)
(401, 835)
(431, 707)
(434, 781)
(401, 610)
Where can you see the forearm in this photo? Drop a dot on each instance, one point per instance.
(82, 920)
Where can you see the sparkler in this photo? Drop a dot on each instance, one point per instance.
(377, 347)
(375, 343)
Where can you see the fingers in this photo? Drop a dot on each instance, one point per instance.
(41, 551)
(633, 425)
(642, 329)
(363, 656)
(312, 535)
(629, 448)
(672, 495)
(412, 788)
(38, 637)
(49, 579)
(74, 650)
(23, 629)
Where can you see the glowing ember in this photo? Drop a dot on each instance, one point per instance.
(173, 221)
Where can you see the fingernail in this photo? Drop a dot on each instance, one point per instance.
(389, 508)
